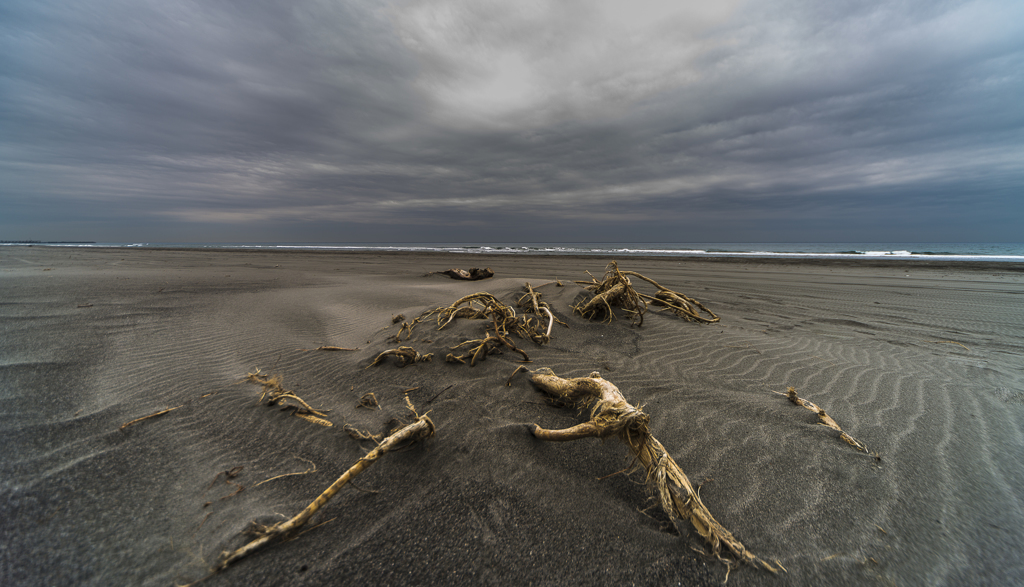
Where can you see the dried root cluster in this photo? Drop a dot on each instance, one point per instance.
(504, 322)
(406, 355)
(277, 395)
(531, 302)
(536, 318)
(616, 290)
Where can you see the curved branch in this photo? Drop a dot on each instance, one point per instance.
(613, 415)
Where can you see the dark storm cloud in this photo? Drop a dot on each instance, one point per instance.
(510, 119)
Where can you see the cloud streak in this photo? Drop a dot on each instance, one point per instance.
(511, 120)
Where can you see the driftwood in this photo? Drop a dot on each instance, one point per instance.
(504, 321)
(680, 305)
(278, 395)
(485, 346)
(613, 416)
(405, 354)
(474, 274)
(531, 302)
(479, 305)
(420, 428)
(160, 413)
(825, 420)
(407, 327)
(616, 290)
(476, 306)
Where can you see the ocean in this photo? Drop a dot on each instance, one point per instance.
(996, 252)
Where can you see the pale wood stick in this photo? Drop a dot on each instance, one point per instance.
(418, 430)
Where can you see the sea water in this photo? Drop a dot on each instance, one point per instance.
(1012, 252)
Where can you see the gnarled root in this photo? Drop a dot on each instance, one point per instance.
(419, 429)
(681, 305)
(613, 416)
(278, 395)
(531, 302)
(484, 347)
(504, 322)
(615, 290)
(405, 354)
(475, 306)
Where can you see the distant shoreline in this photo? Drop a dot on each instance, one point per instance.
(481, 259)
(3, 242)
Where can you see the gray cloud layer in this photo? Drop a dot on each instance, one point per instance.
(447, 120)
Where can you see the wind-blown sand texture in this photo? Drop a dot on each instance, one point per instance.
(920, 361)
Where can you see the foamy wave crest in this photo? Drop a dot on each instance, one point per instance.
(885, 253)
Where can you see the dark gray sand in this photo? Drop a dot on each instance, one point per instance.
(922, 362)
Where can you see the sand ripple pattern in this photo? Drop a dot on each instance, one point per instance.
(924, 369)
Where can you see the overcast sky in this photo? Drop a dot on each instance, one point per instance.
(496, 121)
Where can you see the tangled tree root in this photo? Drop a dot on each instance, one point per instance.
(479, 305)
(490, 344)
(485, 346)
(405, 354)
(420, 428)
(278, 395)
(617, 291)
(680, 305)
(503, 320)
(531, 301)
(613, 416)
(482, 306)
(825, 419)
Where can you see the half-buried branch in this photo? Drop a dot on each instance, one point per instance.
(420, 428)
(825, 420)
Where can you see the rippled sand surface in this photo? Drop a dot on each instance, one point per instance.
(922, 362)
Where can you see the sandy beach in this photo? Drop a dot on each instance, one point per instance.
(920, 361)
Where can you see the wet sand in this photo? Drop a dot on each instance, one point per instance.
(920, 361)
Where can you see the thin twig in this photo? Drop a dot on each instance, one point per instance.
(160, 413)
(307, 471)
(950, 342)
